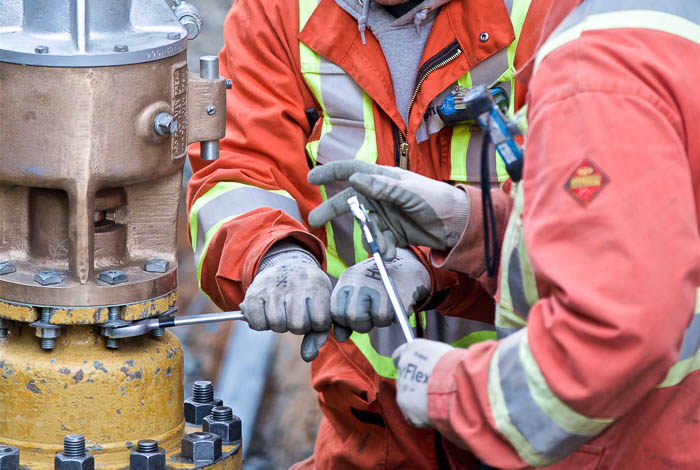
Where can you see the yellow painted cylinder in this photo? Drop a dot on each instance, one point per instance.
(113, 397)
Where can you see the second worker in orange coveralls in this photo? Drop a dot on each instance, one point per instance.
(597, 300)
(321, 81)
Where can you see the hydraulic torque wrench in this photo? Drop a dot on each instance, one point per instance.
(360, 214)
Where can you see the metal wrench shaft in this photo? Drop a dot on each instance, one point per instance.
(360, 214)
(144, 326)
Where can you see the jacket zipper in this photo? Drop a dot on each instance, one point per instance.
(442, 58)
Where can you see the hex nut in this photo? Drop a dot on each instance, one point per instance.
(156, 265)
(9, 458)
(165, 124)
(86, 462)
(147, 460)
(196, 412)
(113, 276)
(201, 447)
(7, 268)
(229, 431)
(48, 278)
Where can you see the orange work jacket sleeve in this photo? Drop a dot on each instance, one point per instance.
(610, 229)
(263, 150)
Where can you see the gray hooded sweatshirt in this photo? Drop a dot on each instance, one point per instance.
(402, 40)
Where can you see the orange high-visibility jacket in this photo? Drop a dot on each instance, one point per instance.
(286, 57)
(598, 299)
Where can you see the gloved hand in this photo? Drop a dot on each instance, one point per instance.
(415, 362)
(406, 208)
(359, 300)
(291, 293)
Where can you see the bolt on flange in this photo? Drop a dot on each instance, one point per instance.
(9, 458)
(224, 424)
(48, 278)
(147, 456)
(47, 331)
(201, 447)
(201, 403)
(74, 455)
(156, 265)
(113, 276)
(115, 321)
(4, 326)
(7, 268)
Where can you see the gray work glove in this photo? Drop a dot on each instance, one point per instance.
(415, 362)
(359, 300)
(291, 293)
(405, 207)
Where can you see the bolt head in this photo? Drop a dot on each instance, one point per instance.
(173, 36)
(6, 268)
(121, 48)
(113, 276)
(9, 458)
(48, 278)
(147, 460)
(211, 110)
(41, 49)
(229, 431)
(86, 462)
(201, 447)
(165, 124)
(156, 265)
(229, 83)
(196, 412)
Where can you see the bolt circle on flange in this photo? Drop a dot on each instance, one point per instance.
(156, 265)
(113, 276)
(48, 278)
(7, 268)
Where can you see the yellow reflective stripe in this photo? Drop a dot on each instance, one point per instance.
(681, 370)
(527, 274)
(502, 419)
(475, 337)
(556, 409)
(383, 365)
(461, 134)
(640, 19)
(306, 9)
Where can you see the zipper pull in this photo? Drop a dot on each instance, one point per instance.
(403, 155)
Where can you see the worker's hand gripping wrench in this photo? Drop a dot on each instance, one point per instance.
(360, 214)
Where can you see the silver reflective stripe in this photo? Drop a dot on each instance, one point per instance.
(488, 71)
(509, 6)
(343, 100)
(240, 201)
(515, 281)
(545, 436)
(504, 332)
(691, 339)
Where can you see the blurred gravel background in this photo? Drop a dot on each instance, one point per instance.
(288, 417)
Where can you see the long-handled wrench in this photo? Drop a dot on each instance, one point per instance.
(360, 214)
(142, 327)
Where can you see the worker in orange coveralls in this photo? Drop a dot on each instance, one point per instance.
(319, 81)
(597, 300)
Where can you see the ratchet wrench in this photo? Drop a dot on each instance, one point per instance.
(360, 214)
(142, 327)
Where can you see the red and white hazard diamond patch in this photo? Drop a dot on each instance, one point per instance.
(586, 182)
